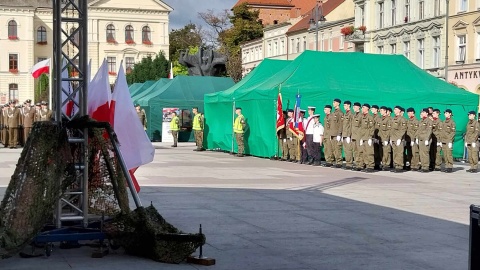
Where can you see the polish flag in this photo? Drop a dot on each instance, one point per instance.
(135, 145)
(100, 95)
(170, 75)
(40, 68)
(70, 108)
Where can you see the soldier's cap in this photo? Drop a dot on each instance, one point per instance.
(366, 105)
(284, 112)
(136, 105)
(357, 104)
(316, 115)
(448, 110)
(410, 109)
(312, 107)
(44, 103)
(375, 107)
(398, 107)
(28, 101)
(472, 112)
(425, 110)
(383, 108)
(38, 104)
(328, 107)
(238, 108)
(347, 102)
(436, 110)
(337, 100)
(303, 111)
(402, 109)
(289, 110)
(389, 109)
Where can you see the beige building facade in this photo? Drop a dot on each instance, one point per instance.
(464, 49)
(118, 31)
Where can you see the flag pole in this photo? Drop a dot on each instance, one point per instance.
(50, 86)
(233, 122)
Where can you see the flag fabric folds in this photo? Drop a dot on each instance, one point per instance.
(280, 118)
(40, 68)
(100, 95)
(296, 111)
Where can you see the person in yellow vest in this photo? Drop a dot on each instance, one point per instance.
(198, 129)
(238, 129)
(174, 128)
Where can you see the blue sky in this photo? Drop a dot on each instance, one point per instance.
(186, 11)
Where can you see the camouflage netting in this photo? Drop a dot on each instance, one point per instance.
(45, 171)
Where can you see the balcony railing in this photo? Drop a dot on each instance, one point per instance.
(357, 37)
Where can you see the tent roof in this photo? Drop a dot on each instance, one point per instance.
(142, 87)
(134, 87)
(153, 89)
(187, 88)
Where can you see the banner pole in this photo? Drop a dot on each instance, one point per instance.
(233, 121)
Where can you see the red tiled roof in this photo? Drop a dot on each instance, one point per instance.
(304, 23)
(301, 7)
(281, 3)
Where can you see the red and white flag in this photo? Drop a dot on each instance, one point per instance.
(100, 95)
(135, 145)
(40, 68)
(280, 118)
(170, 75)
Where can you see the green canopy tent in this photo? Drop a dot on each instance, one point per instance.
(151, 90)
(142, 88)
(319, 77)
(134, 87)
(183, 92)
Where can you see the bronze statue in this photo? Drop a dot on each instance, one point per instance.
(204, 63)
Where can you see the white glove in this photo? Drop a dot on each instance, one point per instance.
(465, 144)
(291, 139)
(398, 142)
(369, 142)
(347, 140)
(439, 144)
(304, 145)
(426, 143)
(339, 138)
(450, 145)
(474, 144)
(385, 143)
(412, 143)
(361, 142)
(416, 141)
(284, 140)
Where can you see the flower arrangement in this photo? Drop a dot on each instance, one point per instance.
(112, 73)
(74, 74)
(130, 41)
(12, 37)
(42, 43)
(13, 70)
(348, 30)
(147, 42)
(111, 41)
(405, 19)
(362, 28)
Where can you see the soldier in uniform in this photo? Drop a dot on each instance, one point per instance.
(397, 134)
(412, 155)
(282, 138)
(291, 140)
(317, 139)
(377, 146)
(12, 124)
(141, 116)
(303, 155)
(38, 107)
(28, 118)
(45, 114)
(4, 120)
(384, 126)
(336, 127)
(239, 129)
(356, 136)
(423, 140)
(447, 136)
(471, 141)
(436, 145)
(328, 150)
(367, 129)
(175, 128)
(308, 125)
(21, 139)
(198, 129)
(348, 144)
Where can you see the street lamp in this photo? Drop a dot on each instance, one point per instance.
(318, 15)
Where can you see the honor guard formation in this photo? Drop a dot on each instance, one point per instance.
(17, 119)
(373, 139)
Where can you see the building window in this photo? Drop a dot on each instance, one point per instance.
(275, 21)
(41, 35)
(282, 48)
(436, 7)
(421, 10)
(12, 30)
(304, 43)
(322, 44)
(40, 59)
(394, 12)
(129, 34)
(276, 48)
(13, 62)
(13, 91)
(407, 11)
(463, 5)
(477, 49)
(292, 43)
(393, 48)
(110, 33)
(146, 35)
(380, 14)
(421, 53)
(297, 48)
(462, 46)
(362, 15)
(330, 40)
(269, 49)
(406, 49)
(112, 65)
(436, 52)
(380, 49)
(342, 42)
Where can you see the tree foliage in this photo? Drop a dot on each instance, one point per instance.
(149, 69)
(190, 38)
(42, 88)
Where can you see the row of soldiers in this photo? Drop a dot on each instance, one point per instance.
(372, 139)
(16, 121)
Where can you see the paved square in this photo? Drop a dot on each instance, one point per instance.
(263, 214)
